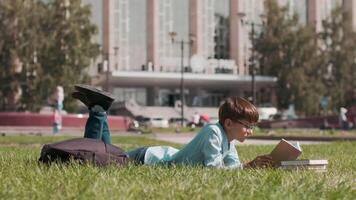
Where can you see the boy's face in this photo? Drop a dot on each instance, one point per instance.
(237, 129)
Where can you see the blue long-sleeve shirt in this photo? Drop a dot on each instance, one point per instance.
(210, 148)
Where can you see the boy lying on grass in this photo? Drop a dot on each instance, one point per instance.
(211, 147)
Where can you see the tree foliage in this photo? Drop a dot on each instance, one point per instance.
(43, 45)
(339, 67)
(18, 39)
(289, 51)
(309, 66)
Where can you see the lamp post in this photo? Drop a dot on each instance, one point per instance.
(182, 43)
(253, 56)
(107, 71)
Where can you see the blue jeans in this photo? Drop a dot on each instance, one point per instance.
(97, 127)
(138, 155)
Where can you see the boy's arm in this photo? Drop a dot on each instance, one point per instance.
(212, 151)
(231, 160)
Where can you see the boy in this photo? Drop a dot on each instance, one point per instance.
(211, 147)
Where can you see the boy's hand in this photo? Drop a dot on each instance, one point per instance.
(262, 161)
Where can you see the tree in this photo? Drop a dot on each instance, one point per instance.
(70, 49)
(32, 46)
(289, 51)
(18, 40)
(338, 45)
(43, 45)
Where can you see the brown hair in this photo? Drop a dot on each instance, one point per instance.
(237, 108)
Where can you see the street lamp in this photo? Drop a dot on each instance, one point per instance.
(253, 56)
(182, 43)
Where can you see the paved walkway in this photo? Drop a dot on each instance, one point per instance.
(186, 137)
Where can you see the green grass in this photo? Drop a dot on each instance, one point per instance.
(305, 132)
(126, 142)
(21, 177)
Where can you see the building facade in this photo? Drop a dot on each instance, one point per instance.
(141, 62)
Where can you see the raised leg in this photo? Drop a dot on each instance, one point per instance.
(97, 127)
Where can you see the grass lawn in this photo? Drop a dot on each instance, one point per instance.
(21, 177)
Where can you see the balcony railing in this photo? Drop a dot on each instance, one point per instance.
(210, 66)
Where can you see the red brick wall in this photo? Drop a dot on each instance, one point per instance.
(46, 120)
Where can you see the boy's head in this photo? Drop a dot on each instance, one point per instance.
(237, 116)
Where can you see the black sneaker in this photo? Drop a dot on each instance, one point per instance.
(93, 96)
(81, 97)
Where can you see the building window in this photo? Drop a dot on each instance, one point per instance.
(131, 94)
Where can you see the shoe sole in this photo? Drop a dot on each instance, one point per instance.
(87, 89)
(80, 97)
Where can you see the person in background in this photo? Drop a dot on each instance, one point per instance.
(344, 124)
(195, 120)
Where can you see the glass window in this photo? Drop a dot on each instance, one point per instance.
(127, 94)
(222, 25)
(327, 7)
(137, 31)
(96, 17)
(253, 10)
(298, 7)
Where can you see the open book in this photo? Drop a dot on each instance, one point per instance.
(285, 151)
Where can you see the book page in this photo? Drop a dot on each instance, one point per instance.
(285, 151)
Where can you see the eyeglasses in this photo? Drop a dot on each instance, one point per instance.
(247, 126)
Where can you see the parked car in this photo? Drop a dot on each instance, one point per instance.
(159, 122)
(143, 121)
(267, 113)
(149, 122)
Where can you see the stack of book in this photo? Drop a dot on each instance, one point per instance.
(285, 155)
(315, 165)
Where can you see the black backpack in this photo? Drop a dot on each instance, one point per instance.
(84, 150)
